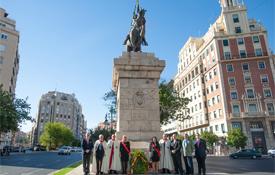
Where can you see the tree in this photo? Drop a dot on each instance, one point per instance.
(210, 138)
(55, 135)
(172, 106)
(110, 98)
(76, 142)
(13, 112)
(105, 132)
(236, 138)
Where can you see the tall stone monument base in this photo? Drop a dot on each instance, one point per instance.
(135, 79)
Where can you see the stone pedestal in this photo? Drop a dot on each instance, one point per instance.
(135, 79)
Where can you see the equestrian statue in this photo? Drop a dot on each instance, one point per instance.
(136, 36)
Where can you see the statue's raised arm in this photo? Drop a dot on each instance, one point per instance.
(136, 36)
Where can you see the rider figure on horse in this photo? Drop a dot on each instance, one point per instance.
(136, 36)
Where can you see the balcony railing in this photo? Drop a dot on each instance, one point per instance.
(247, 114)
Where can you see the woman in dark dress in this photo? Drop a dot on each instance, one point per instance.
(154, 154)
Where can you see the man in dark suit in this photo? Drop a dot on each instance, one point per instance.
(87, 146)
(125, 151)
(200, 153)
(176, 154)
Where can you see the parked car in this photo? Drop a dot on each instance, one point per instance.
(26, 150)
(5, 151)
(64, 150)
(271, 152)
(246, 153)
(73, 149)
(39, 148)
(76, 149)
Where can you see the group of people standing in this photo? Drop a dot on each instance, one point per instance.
(168, 154)
(165, 155)
(108, 157)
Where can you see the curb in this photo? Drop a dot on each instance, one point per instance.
(52, 173)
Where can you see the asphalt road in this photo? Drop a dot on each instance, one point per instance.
(36, 163)
(224, 165)
(43, 163)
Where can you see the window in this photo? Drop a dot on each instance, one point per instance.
(212, 88)
(237, 125)
(234, 95)
(261, 65)
(264, 78)
(225, 42)
(2, 48)
(218, 98)
(211, 128)
(229, 68)
(242, 53)
(1, 60)
(231, 81)
(252, 108)
(210, 75)
(235, 18)
(215, 72)
(267, 93)
(240, 41)
(217, 85)
(205, 78)
(213, 101)
(245, 67)
(255, 39)
(238, 30)
(220, 112)
(211, 47)
(222, 127)
(215, 114)
(227, 55)
(217, 127)
(270, 108)
(3, 36)
(209, 103)
(258, 52)
(250, 93)
(236, 108)
(247, 79)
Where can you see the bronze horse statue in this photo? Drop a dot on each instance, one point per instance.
(136, 36)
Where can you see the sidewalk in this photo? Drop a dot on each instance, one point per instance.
(77, 171)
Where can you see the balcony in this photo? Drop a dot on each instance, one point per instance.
(247, 115)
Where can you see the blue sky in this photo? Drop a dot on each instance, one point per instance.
(69, 45)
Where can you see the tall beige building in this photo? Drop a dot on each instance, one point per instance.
(9, 56)
(9, 61)
(59, 107)
(229, 76)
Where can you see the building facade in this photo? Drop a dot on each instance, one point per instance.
(9, 61)
(228, 74)
(9, 56)
(59, 107)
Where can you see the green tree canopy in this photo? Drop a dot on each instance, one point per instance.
(172, 106)
(105, 132)
(55, 135)
(13, 112)
(236, 138)
(210, 138)
(110, 98)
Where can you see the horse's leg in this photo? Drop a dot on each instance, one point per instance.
(129, 48)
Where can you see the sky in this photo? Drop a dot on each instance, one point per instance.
(69, 45)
